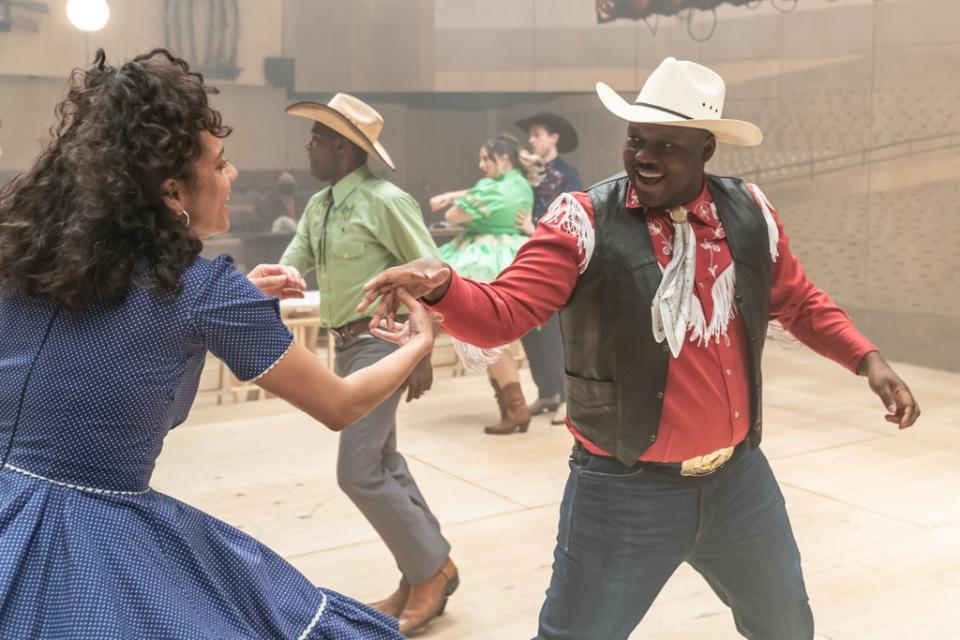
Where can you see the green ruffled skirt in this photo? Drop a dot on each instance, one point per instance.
(481, 257)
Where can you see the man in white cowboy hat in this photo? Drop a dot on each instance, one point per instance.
(666, 278)
(349, 231)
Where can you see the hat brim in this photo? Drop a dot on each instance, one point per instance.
(338, 122)
(736, 132)
(568, 135)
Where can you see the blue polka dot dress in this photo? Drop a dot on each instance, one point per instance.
(87, 550)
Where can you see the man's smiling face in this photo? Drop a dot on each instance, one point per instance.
(665, 164)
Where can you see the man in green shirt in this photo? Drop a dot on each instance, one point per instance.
(349, 232)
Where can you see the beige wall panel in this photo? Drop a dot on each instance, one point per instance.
(571, 50)
(26, 109)
(835, 30)
(651, 49)
(485, 80)
(492, 14)
(916, 93)
(582, 79)
(256, 115)
(316, 36)
(485, 49)
(917, 22)
(754, 39)
(551, 14)
(392, 45)
(913, 264)
(135, 26)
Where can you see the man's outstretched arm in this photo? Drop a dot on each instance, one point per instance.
(812, 316)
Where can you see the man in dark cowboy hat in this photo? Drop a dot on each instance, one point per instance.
(549, 135)
(665, 278)
(354, 228)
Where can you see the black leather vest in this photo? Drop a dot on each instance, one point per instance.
(616, 371)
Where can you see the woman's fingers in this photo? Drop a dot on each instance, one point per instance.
(407, 300)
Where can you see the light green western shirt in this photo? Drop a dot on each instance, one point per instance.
(351, 232)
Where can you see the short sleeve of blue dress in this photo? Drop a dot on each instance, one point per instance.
(239, 324)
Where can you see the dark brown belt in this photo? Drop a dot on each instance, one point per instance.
(353, 329)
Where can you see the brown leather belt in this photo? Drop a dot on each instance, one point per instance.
(353, 329)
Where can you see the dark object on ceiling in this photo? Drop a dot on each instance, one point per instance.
(609, 10)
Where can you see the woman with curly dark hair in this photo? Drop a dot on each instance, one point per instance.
(106, 314)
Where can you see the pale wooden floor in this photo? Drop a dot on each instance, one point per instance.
(875, 511)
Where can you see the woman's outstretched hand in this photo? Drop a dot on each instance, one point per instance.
(277, 281)
(418, 327)
(424, 278)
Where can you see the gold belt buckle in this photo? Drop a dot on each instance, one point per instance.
(706, 464)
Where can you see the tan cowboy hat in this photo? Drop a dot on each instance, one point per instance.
(352, 118)
(682, 94)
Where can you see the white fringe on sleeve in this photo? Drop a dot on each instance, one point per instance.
(772, 232)
(567, 214)
(475, 358)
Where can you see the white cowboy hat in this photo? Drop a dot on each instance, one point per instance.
(682, 94)
(352, 118)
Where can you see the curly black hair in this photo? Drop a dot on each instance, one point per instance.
(87, 219)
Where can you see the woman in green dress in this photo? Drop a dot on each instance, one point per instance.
(490, 213)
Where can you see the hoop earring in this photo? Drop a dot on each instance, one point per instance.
(184, 214)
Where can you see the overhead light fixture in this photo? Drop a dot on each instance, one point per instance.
(88, 15)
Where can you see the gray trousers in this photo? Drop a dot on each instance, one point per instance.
(544, 349)
(375, 476)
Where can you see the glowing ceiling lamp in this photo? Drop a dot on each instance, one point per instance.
(88, 15)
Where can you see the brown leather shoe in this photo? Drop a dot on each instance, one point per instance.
(545, 405)
(395, 602)
(517, 416)
(429, 599)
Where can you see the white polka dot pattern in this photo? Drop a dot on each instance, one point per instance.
(89, 551)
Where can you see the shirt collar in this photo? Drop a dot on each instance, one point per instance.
(348, 183)
(701, 207)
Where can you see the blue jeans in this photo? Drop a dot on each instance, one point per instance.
(625, 530)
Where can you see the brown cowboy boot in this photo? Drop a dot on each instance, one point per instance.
(429, 599)
(517, 416)
(395, 602)
(499, 397)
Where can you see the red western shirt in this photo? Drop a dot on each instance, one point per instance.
(706, 401)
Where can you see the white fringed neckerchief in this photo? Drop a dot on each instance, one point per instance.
(673, 301)
(676, 309)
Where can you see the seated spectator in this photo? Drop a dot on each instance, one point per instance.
(280, 209)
